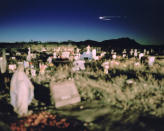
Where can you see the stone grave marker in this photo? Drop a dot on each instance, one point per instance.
(151, 60)
(12, 68)
(78, 65)
(114, 56)
(141, 55)
(64, 93)
(105, 65)
(3, 62)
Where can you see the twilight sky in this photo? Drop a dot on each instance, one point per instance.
(61, 20)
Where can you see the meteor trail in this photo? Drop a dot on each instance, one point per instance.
(110, 17)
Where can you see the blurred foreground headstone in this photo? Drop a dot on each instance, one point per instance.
(21, 91)
(64, 93)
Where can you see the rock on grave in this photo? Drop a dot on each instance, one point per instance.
(64, 93)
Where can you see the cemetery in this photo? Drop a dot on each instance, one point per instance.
(67, 87)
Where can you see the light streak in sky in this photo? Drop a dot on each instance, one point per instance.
(110, 17)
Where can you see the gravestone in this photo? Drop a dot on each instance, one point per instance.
(151, 60)
(42, 68)
(3, 62)
(78, 65)
(141, 55)
(54, 55)
(105, 65)
(65, 54)
(131, 52)
(49, 60)
(33, 72)
(12, 68)
(135, 53)
(64, 93)
(114, 56)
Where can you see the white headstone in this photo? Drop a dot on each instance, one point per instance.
(131, 52)
(49, 59)
(64, 93)
(135, 53)
(65, 54)
(141, 55)
(114, 56)
(42, 68)
(54, 55)
(12, 68)
(78, 65)
(26, 64)
(151, 60)
(88, 49)
(105, 65)
(13, 58)
(33, 72)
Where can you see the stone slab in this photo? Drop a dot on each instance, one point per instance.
(64, 93)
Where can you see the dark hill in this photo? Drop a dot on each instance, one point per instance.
(106, 44)
(120, 43)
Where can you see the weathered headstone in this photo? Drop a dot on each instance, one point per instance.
(135, 53)
(94, 54)
(88, 49)
(33, 72)
(105, 65)
(124, 53)
(3, 62)
(42, 68)
(54, 55)
(112, 52)
(131, 52)
(78, 65)
(141, 55)
(114, 56)
(64, 93)
(151, 60)
(29, 55)
(65, 54)
(12, 68)
(13, 58)
(49, 59)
